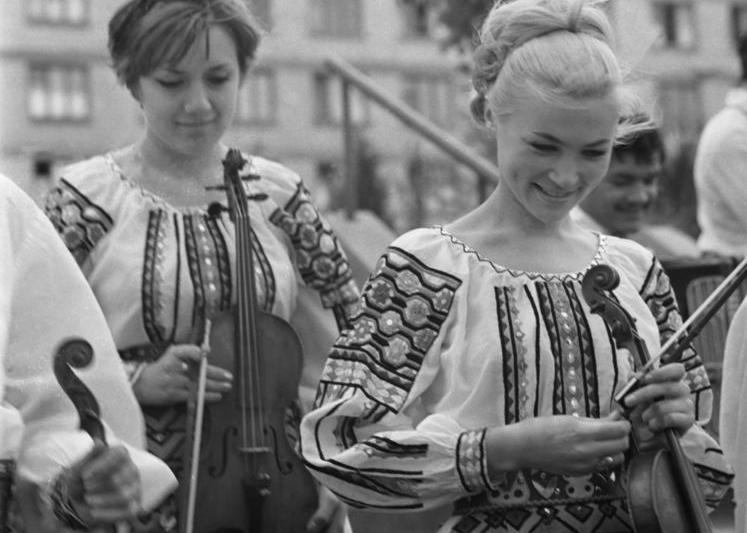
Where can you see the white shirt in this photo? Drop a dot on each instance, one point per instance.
(44, 299)
(720, 179)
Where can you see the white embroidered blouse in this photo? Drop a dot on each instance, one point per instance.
(158, 269)
(447, 344)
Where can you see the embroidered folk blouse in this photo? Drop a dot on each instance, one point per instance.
(447, 344)
(157, 269)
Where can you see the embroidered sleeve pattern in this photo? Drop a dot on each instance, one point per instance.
(359, 439)
(658, 294)
(319, 255)
(404, 305)
(80, 222)
(714, 473)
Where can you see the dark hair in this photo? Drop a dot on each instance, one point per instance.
(145, 34)
(645, 146)
(742, 51)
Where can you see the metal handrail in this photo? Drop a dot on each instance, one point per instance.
(412, 119)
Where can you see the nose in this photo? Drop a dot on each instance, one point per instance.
(197, 98)
(641, 193)
(565, 174)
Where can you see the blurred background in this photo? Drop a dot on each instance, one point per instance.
(60, 101)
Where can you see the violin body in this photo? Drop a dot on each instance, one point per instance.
(654, 500)
(244, 490)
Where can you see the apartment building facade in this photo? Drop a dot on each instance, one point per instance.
(59, 100)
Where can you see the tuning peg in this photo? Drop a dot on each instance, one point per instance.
(250, 177)
(215, 187)
(215, 209)
(259, 197)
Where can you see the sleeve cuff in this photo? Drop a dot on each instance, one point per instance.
(472, 462)
(57, 496)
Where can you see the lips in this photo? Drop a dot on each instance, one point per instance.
(555, 193)
(195, 123)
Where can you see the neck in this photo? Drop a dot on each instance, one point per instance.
(506, 212)
(196, 165)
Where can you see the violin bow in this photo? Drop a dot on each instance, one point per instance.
(197, 440)
(697, 320)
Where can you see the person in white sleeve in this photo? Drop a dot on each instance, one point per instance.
(63, 481)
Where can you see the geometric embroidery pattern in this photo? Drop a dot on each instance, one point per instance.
(80, 222)
(575, 390)
(471, 465)
(658, 294)
(514, 350)
(319, 255)
(404, 305)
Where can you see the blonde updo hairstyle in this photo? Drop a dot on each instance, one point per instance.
(561, 50)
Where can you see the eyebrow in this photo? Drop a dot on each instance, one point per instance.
(175, 70)
(551, 138)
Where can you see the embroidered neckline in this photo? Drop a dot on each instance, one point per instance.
(517, 273)
(116, 169)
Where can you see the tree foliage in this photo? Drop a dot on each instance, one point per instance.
(460, 19)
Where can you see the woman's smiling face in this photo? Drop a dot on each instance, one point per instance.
(551, 155)
(188, 106)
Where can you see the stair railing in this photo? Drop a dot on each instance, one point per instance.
(486, 171)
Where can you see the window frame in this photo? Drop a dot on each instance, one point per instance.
(333, 91)
(270, 75)
(676, 5)
(323, 8)
(421, 79)
(47, 67)
(45, 20)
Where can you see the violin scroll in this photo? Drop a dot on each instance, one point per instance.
(597, 281)
(78, 353)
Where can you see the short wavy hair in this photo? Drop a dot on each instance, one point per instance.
(146, 34)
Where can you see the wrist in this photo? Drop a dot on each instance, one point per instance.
(506, 448)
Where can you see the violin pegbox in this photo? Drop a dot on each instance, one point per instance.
(234, 183)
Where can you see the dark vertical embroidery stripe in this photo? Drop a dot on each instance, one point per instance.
(586, 350)
(224, 262)
(177, 276)
(538, 378)
(508, 354)
(147, 288)
(193, 264)
(547, 308)
(268, 278)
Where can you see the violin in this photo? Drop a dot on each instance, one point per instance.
(244, 476)
(663, 492)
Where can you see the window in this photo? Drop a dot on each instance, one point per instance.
(416, 16)
(328, 101)
(62, 12)
(58, 93)
(337, 18)
(675, 20)
(258, 100)
(738, 20)
(681, 109)
(430, 94)
(262, 9)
